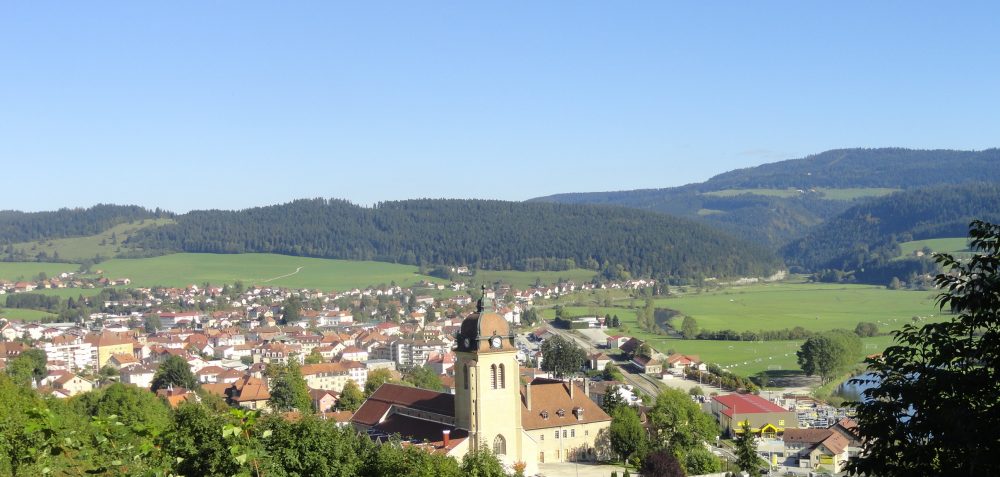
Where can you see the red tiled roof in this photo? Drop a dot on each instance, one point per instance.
(747, 404)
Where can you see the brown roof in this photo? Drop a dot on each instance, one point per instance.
(250, 389)
(837, 443)
(807, 436)
(108, 339)
(549, 396)
(218, 389)
(389, 395)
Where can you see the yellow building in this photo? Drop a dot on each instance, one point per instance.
(543, 421)
(105, 345)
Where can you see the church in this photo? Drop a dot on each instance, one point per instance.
(545, 420)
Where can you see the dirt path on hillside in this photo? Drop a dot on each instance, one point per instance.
(297, 270)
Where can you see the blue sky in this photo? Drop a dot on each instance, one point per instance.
(237, 104)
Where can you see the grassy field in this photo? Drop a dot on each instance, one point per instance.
(811, 306)
(851, 194)
(527, 279)
(80, 248)
(24, 314)
(184, 269)
(773, 306)
(956, 246)
(16, 271)
(69, 292)
(831, 194)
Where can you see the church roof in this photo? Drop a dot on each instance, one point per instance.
(482, 325)
(388, 395)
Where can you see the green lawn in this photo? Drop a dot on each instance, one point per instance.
(24, 314)
(184, 269)
(80, 248)
(811, 306)
(527, 279)
(14, 271)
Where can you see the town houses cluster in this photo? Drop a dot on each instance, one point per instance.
(229, 334)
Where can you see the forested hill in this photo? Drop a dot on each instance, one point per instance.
(868, 234)
(773, 204)
(848, 168)
(482, 233)
(16, 226)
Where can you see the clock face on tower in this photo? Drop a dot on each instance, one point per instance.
(496, 342)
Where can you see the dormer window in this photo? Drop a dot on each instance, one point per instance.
(561, 413)
(578, 412)
(545, 414)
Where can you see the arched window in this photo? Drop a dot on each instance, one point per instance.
(465, 376)
(493, 376)
(502, 378)
(500, 445)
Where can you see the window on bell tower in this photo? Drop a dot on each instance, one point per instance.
(500, 445)
(465, 376)
(493, 376)
(502, 378)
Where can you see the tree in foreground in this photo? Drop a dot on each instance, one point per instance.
(661, 463)
(628, 438)
(561, 356)
(746, 451)
(482, 463)
(174, 371)
(932, 409)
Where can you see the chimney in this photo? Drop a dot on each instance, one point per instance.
(571, 386)
(527, 396)
(586, 389)
(447, 437)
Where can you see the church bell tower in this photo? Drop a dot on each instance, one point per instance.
(487, 383)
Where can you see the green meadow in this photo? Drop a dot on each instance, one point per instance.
(830, 194)
(955, 245)
(24, 314)
(773, 306)
(809, 305)
(526, 279)
(183, 269)
(77, 249)
(15, 271)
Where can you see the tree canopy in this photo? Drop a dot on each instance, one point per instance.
(931, 407)
(829, 354)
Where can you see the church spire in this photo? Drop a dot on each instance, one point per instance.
(481, 304)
